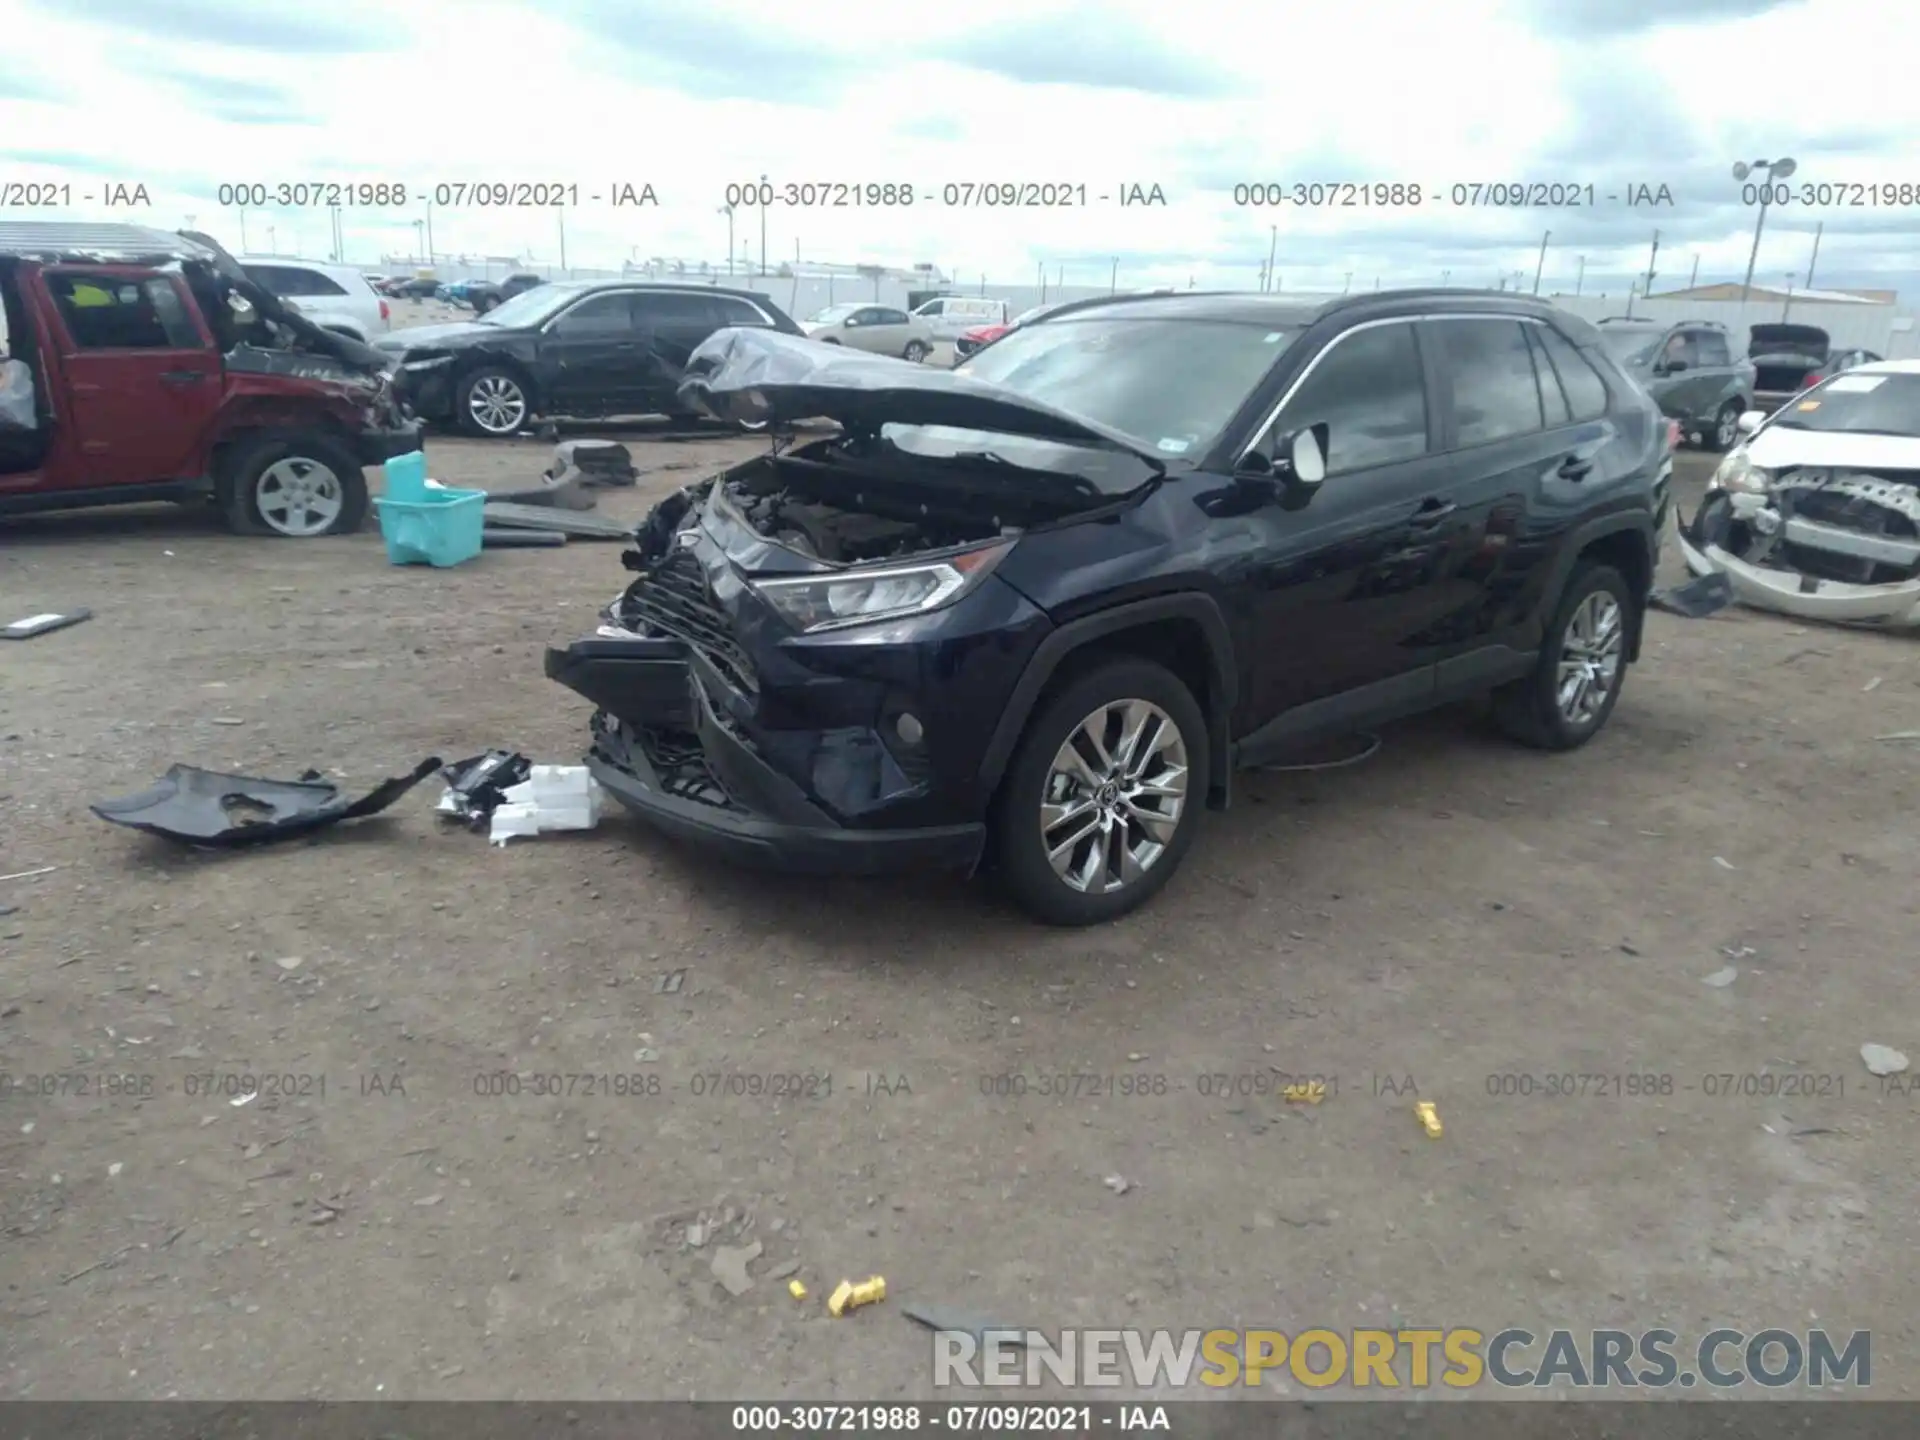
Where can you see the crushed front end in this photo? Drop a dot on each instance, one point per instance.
(1821, 543)
(849, 749)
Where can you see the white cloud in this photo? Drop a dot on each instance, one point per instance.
(595, 93)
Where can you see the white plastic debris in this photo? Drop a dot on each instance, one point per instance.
(1883, 1059)
(554, 797)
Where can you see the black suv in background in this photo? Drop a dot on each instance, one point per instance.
(1039, 608)
(580, 348)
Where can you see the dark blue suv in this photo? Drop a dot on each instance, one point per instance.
(1034, 612)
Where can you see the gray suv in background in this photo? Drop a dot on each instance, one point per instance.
(1691, 370)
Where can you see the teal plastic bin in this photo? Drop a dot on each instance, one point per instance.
(407, 476)
(442, 527)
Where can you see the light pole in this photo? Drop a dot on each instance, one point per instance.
(727, 210)
(1541, 263)
(1814, 259)
(243, 230)
(765, 194)
(419, 238)
(1787, 306)
(560, 215)
(1273, 245)
(272, 244)
(1580, 277)
(1776, 170)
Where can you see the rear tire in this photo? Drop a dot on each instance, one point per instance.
(293, 486)
(1068, 824)
(1582, 665)
(916, 352)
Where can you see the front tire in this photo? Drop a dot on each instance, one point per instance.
(1104, 795)
(295, 487)
(493, 403)
(1582, 665)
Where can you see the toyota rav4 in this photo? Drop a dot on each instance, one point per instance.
(1036, 611)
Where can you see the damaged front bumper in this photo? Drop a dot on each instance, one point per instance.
(1793, 564)
(695, 776)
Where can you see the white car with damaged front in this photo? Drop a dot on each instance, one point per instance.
(1816, 513)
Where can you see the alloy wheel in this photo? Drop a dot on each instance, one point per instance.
(1113, 797)
(1590, 658)
(1726, 428)
(299, 497)
(497, 404)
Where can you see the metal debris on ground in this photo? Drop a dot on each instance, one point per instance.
(1695, 600)
(946, 1320)
(476, 787)
(670, 983)
(44, 624)
(1310, 1092)
(849, 1296)
(1119, 1184)
(1429, 1118)
(504, 537)
(507, 514)
(729, 1266)
(1883, 1059)
(215, 810)
(553, 797)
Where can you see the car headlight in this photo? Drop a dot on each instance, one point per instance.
(859, 597)
(433, 364)
(1739, 474)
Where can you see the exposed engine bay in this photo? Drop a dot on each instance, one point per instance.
(773, 496)
(1825, 544)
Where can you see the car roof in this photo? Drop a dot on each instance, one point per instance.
(1887, 367)
(57, 240)
(1257, 307)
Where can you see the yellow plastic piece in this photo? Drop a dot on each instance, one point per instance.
(1309, 1093)
(1429, 1119)
(849, 1296)
(796, 1289)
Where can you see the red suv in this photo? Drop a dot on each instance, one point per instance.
(138, 365)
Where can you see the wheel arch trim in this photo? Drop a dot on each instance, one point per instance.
(1053, 651)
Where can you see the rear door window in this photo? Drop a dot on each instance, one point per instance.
(1490, 369)
(731, 311)
(676, 309)
(1553, 399)
(1367, 389)
(1710, 348)
(1586, 392)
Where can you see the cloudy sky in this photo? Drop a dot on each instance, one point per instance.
(185, 95)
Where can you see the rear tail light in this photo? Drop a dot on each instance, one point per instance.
(386, 311)
(1813, 378)
(1673, 434)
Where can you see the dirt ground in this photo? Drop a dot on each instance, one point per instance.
(1452, 911)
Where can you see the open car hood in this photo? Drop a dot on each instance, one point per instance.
(1788, 340)
(757, 375)
(343, 348)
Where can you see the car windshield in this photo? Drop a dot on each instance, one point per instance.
(1632, 348)
(832, 315)
(1861, 404)
(529, 307)
(1170, 384)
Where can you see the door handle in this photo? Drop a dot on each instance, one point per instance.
(181, 377)
(1574, 467)
(1432, 512)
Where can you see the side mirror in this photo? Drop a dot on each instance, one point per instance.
(1303, 457)
(1749, 421)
